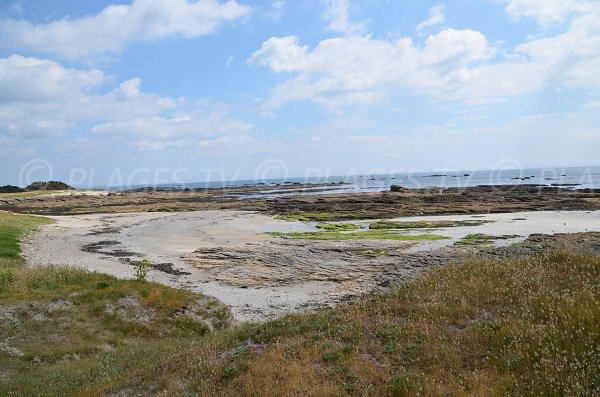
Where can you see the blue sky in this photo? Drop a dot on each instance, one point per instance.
(148, 91)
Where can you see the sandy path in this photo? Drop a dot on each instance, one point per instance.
(226, 254)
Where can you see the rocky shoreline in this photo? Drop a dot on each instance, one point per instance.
(362, 205)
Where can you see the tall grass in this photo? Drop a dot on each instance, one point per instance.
(528, 326)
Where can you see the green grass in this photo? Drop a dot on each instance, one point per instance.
(12, 227)
(359, 235)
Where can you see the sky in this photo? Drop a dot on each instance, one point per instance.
(101, 93)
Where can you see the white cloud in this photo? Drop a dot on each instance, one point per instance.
(275, 12)
(42, 99)
(33, 80)
(358, 69)
(338, 15)
(118, 26)
(450, 65)
(572, 57)
(436, 17)
(281, 54)
(592, 105)
(547, 12)
(182, 129)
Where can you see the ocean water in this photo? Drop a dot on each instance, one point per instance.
(568, 178)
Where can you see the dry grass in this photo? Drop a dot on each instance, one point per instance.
(517, 327)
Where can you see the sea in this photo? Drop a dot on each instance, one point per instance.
(567, 178)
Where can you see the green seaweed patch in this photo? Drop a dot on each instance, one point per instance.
(328, 216)
(373, 253)
(424, 224)
(521, 244)
(359, 235)
(483, 239)
(339, 226)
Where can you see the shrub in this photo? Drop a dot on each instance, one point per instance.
(49, 185)
(11, 189)
(141, 270)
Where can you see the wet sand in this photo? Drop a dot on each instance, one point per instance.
(227, 254)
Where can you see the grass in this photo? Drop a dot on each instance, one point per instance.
(359, 235)
(527, 326)
(12, 226)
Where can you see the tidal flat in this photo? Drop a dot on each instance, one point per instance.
(262, 266)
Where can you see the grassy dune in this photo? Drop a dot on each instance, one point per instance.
(527, 326)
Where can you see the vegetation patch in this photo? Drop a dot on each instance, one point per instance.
(526, 326)
(328, 216)
(358, 235)
(483, 239)
(48, 185)
(12, 226)
(372, 253)
(339, 226)
(11, 189)
(424, 224)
